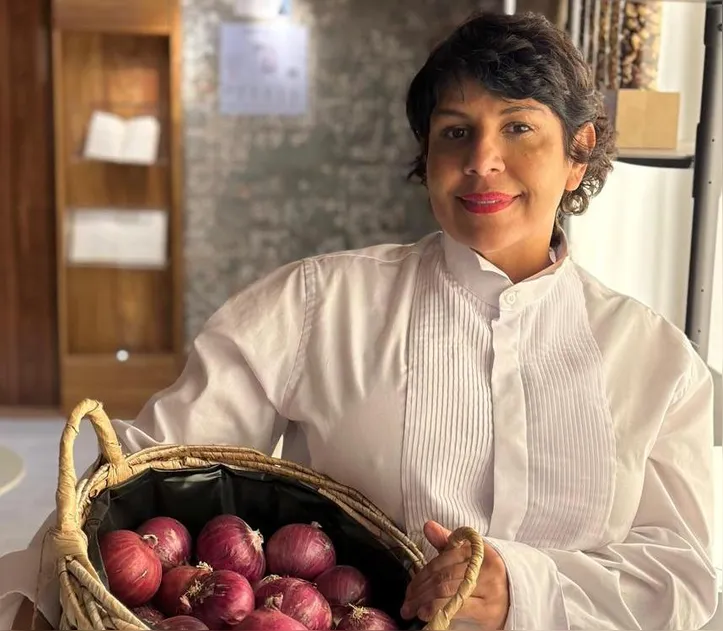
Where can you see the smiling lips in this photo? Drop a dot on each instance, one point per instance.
(487, 203)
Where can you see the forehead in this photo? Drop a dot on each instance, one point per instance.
(470, 94)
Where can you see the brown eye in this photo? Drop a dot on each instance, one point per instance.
(455, 133)
(518, 129)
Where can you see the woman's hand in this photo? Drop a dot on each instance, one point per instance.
(439, 580)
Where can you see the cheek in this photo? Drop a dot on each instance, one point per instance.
(442, 172)
(542, 172)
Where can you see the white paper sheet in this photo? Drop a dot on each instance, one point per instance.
(263, 69)
(122, 238)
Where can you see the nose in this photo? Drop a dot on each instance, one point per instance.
(484, 157)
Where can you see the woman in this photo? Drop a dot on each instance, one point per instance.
(479, 377)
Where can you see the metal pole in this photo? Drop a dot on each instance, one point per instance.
(707, 184)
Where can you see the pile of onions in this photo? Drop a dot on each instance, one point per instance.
(365, 619)
(300, 550)
(173, 541)
(172, 582)
(296, 598)
(224, 598)
(227, 542)
(133, 569)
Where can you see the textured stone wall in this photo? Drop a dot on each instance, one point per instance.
(263, 191)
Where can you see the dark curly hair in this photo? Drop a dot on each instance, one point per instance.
(521, 56)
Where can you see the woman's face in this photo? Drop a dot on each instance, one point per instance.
(496, 170)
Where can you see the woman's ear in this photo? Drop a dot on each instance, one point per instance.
(585, 140)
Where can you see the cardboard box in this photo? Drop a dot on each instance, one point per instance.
(644, 119)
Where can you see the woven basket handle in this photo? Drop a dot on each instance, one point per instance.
(443, 617)
(67, 480)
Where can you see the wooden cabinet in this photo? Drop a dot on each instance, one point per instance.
(120, 327)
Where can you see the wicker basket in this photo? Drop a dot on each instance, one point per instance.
(85, 601)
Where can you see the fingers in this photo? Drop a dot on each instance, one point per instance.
(440, 579)
(442, 584)
(436, 565)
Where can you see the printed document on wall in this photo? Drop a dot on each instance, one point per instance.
(263, 69)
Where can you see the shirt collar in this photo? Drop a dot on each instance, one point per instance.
(491, 284)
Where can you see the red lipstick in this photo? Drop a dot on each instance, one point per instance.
(486, 203)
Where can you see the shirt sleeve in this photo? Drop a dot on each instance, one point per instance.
(240, 372)
(661, 576)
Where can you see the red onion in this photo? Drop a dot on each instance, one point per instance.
(182, 623)
(177, 584)
(173, 545)
(268, 620)
(296, 598)
(223, 598)
(343, 585)
(262, 585)
(133, 569)
(148, 614)
(227, 542)
(300, 550)
(366, 619)
(337, 613)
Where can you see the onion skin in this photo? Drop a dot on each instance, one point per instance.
(366, 619)
(172, 597)
(300, 550)
(174, 542)
(337, 613)
(224, 598)
(182, 623)
(227, 542)
(148, 614)
(296, 598)
(268, 620)
(133, 569)
(343, 585)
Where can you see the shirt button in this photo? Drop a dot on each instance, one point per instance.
(510, 298)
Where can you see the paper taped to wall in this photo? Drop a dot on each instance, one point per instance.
(121, 238)
(263, 69)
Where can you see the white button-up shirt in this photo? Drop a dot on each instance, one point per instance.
(571, 426)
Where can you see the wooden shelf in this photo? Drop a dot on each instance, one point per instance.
(99, 375)
(680, 158)
(142, 17)
(122, 57)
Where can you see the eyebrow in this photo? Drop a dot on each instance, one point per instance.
(448, 111)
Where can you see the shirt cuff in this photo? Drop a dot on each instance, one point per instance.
(536, 600)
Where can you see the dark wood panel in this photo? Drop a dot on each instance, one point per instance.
(34, 204)
(27, 225)
(9, 377)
